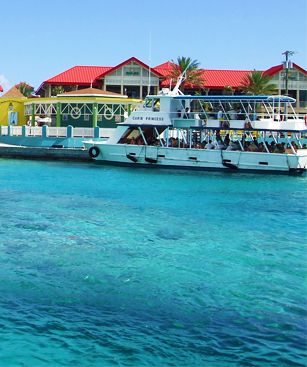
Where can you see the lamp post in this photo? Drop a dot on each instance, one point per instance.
(287, 65)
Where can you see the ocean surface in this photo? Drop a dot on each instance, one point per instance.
(107, 266)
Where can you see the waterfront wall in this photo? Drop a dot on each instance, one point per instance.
(44, 153)
(56, 137)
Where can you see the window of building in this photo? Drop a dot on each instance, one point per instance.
(113, 88)
(302, 77)
(303, 98)
(292, 75)
(117, 72)
(132, 91)
(86, 117)
(146, 91)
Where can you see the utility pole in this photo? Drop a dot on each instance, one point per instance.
(287, 66)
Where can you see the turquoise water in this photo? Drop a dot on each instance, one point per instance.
(106, 266)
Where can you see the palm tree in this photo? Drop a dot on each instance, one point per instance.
(257, 83)
(193, 75)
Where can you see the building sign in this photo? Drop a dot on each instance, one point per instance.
(133, 73)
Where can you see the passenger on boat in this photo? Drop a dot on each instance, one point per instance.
(226, 140)
(261, 147)
(186, 113)
(232, 114)
(271, 147)
(295, 146)
(209, 145)
(220, 114)
(255, 141)
(247, 124)
(225, 124)
(175, 143)
(218, 135)
(220, 145)
(252, 147)
(277, 115)
(233, 145)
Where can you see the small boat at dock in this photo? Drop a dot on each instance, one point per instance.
(232, 133)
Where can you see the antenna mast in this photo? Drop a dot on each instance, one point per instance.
(287, 66)
(149, 59)
(180, 80)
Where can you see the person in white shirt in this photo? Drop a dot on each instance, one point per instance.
(220, 114)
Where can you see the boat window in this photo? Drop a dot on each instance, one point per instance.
(152, 104)
(130, 137)
(148, 103)
(156, 104)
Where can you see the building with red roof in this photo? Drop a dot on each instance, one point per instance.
(131, 77)
(135, 79)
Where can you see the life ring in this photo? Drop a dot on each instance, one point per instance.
(108, 113)
(94, 152)
(75, 113)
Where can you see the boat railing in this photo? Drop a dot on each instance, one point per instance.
(260, 121)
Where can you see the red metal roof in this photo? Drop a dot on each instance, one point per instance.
(1, 89)
(214, 79)
(164, 69)
(81, 75)
(222, 78)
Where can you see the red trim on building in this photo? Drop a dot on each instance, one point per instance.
(127, 62)
(276, 69)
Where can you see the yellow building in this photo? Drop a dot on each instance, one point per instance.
(12, 110)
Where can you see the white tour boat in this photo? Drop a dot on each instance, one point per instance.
(230, 133)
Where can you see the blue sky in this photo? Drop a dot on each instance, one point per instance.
(42, 38)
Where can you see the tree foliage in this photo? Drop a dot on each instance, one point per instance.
(193, 75)
(257, 83)
(58, 89)
(25, 89)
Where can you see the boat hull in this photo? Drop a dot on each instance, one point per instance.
(201, 159)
